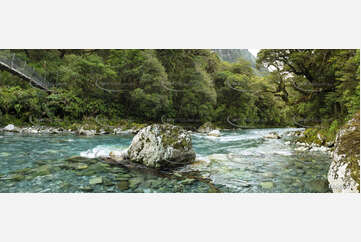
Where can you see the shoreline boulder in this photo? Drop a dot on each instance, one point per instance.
(84, 132)
(162, 146)
(272, 135)
(344, 171)
(11, 128)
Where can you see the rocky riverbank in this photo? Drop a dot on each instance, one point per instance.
(307, 146)
(82, 131)
(91, 130)
(344, 171)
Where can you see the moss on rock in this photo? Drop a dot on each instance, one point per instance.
(162, 146)
(350, 146)
(344, 173)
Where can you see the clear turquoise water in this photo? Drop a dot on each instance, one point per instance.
(238, 161)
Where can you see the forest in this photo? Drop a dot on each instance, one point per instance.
(302, 88)
(229, 121)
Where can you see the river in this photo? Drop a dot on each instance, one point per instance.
(237, 162)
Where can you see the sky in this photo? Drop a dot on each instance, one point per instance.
(254, 51)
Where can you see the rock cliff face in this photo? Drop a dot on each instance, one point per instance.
(232, 55)
(344, 172)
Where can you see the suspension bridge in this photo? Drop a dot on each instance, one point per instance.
(11, 63)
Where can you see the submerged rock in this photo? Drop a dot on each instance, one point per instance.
(188, 181)
(267, 185)
(319, 185)
(344, 172)
(4, 154)
(119, 155)
(96, 180)
(123, 185)
(134, 182)
(269, 175)
(162, 146)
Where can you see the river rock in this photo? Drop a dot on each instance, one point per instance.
(272, 135)
(269, 175)
(206, 128)
(215, 133)
(82, 131)
(122, 131)
(297, 133)
(330, 144)
(344, 172)
(123, 185)
(118, 156)
(321, 138)
(188, 181)
(199, 163)
(302, 148)
(162, 146)
(318, 185)
(96, 180)
(320, 148)
(29, 130)
(134, 182)
(11, 128)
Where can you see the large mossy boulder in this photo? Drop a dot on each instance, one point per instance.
(162, 146)
(344, 172)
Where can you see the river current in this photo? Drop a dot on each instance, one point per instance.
(238, 161)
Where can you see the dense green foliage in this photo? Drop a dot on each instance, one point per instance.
(185, 86)
(321, 87)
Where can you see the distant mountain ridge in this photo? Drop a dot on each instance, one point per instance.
(232, 55)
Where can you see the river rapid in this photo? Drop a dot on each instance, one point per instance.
(240, 161)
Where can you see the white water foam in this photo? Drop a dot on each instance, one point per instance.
(101, 151)
(202, 158)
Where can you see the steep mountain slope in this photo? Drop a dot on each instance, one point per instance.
(232, 55)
